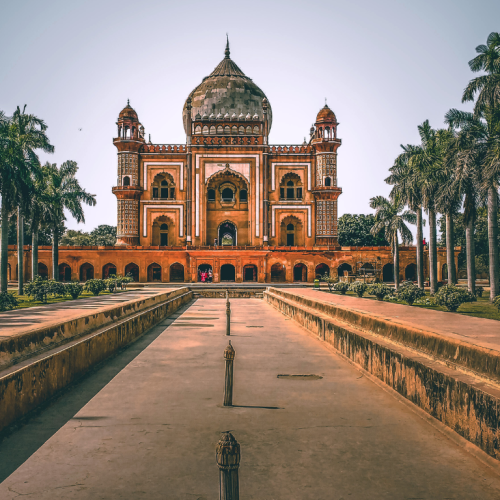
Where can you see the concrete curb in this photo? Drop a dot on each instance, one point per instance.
(465, 403)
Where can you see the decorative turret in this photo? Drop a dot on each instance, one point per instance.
(128, 190)
(326, 191)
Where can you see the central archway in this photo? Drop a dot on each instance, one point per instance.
(227, 272)
(227, 234)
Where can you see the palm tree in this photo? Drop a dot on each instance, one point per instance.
(406, 185)
(391, 217)
(487, 107)
(20, 136)
(426, 164)
(468, 152)
(449, 203)
(65, 192)
(39, 211)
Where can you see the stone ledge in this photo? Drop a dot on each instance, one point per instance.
(467, 404)
(457, 353)
(36, 340)
(32, 382)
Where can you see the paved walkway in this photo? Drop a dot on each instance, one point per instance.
(151, 432)
(477, 331)
(20, 320)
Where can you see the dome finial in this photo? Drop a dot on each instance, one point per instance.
(128, 102)
(227, 46)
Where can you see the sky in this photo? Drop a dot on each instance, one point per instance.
(384, 67)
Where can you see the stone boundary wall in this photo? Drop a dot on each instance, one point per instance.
(38, 379)
(34, 341)
(464, 402)
(454, 352)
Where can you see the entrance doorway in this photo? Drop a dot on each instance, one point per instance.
(227, 234)
(177, 273)
(388, 273)
(250, 273)
(154, 272)
(227, 272)
(300, 272)
(204, 273)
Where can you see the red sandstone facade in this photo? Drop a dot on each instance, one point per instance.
(226, 198)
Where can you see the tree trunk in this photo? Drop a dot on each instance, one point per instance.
(396, 261)
(433, 251)
(420, 249)
(4, 251)
(55, 255)
(471, 255)
(450, 250)
(34, 253)
(493, 242)
(20, 252)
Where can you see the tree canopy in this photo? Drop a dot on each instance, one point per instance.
(354, 231)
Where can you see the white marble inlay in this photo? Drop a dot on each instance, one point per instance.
(155, 207)
(294, 208)
(291, 166)
(166, 164)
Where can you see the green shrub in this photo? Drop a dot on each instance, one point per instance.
(7, 301)
(496, 302)
(341, 287)
(329, 281)
(74, 289)
(479, 291)
(95, 286)
(380, 290)
(111, 284)
(40, 288)
(452, 297)
(409, 292)
(123, 280)
(359, 288)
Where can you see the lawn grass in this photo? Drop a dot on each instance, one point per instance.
(480, 309)
(25, 301)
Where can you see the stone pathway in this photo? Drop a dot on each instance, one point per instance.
(477, 331)
(20, 320)
(151, 432)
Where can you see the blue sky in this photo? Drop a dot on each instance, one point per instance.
(384, 67)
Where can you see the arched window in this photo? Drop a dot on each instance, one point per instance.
(212, 130)
(164, 187)
(256, 129)
(291, 187)
(211, 195)
(227, 194)
(249, 130)
(220, 130)
(328, 181)
(243, 196)
(241, 130)
(227, 130)
(197, 129)
(126, 181)
(205, 130)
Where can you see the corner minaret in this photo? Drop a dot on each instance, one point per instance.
(326, 192)
(128, 190)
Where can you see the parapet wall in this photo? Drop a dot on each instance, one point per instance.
(35, 341)
(412, 362)
(33, 381)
